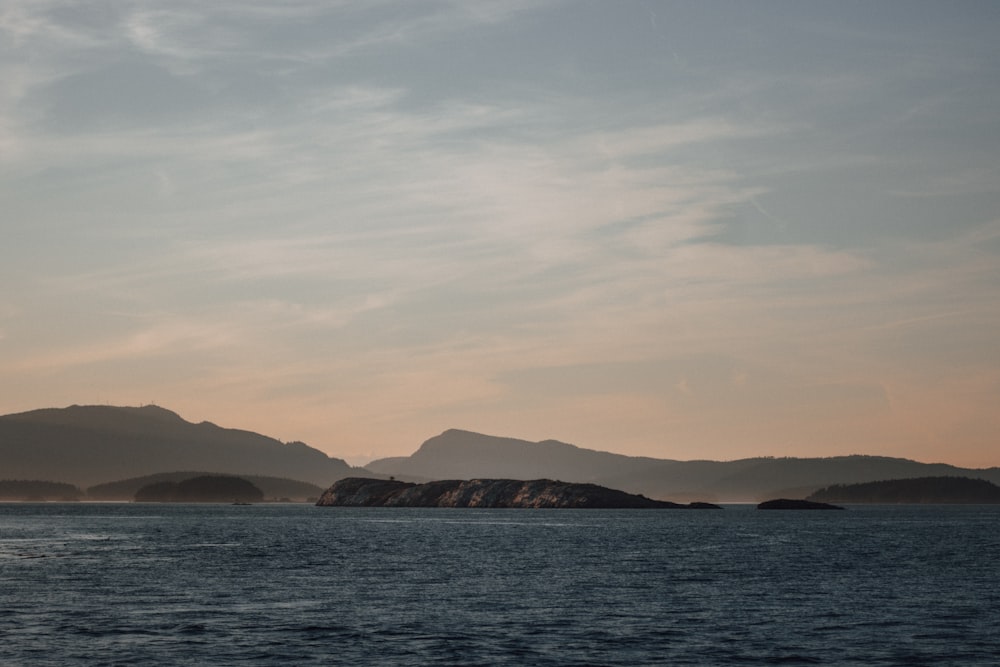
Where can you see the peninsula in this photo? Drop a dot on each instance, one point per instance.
(539, 493)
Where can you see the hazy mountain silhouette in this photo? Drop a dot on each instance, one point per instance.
(457, 454)
(204, 489)
(273, 488)
(86, 445)
(34, 489)
(462, 455)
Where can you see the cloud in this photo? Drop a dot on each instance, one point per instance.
(191, 36)
(166, 336)
(325, 212)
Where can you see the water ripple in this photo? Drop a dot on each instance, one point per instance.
(279, 585)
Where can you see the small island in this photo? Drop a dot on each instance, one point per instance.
(795, 504)
(482, 493)
(916, 490)
(204, 489)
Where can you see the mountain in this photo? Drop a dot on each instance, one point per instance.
(87, 445)
(463, 455)
(459, 454)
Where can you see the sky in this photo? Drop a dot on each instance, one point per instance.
(686, 230)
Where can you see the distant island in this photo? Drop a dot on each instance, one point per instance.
(205, 489)
(932, 490)
(495, 493)
(113, 451)
(275, 489)
(33, 490)
(796, 504)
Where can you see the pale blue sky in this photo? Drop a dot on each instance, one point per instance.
(684, 230)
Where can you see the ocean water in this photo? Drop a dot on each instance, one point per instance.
(128, 584)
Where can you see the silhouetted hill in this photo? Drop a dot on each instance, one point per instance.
(498, 493)
(31, 489)
(273, 488)
(204, 489)
(457, 454)
(937, 490)
(85, 445)
(463, 454)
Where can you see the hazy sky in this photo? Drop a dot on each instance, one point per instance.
(683, 230)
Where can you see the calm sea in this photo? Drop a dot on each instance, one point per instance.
(126, 584)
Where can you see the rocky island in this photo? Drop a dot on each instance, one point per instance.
(506, 493)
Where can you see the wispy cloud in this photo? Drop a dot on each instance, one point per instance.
(167, 336)
(321, 208)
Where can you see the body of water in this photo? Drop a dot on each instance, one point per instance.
(127, 584)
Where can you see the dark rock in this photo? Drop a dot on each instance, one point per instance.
(786, 504)
(539, 493)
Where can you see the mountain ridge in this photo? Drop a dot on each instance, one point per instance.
(89, 445)
(489, 456)
(460, 454)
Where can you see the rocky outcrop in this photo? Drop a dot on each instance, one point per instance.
(539, 493)
(786, 504)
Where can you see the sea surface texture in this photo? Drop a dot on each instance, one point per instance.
(129, 584)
